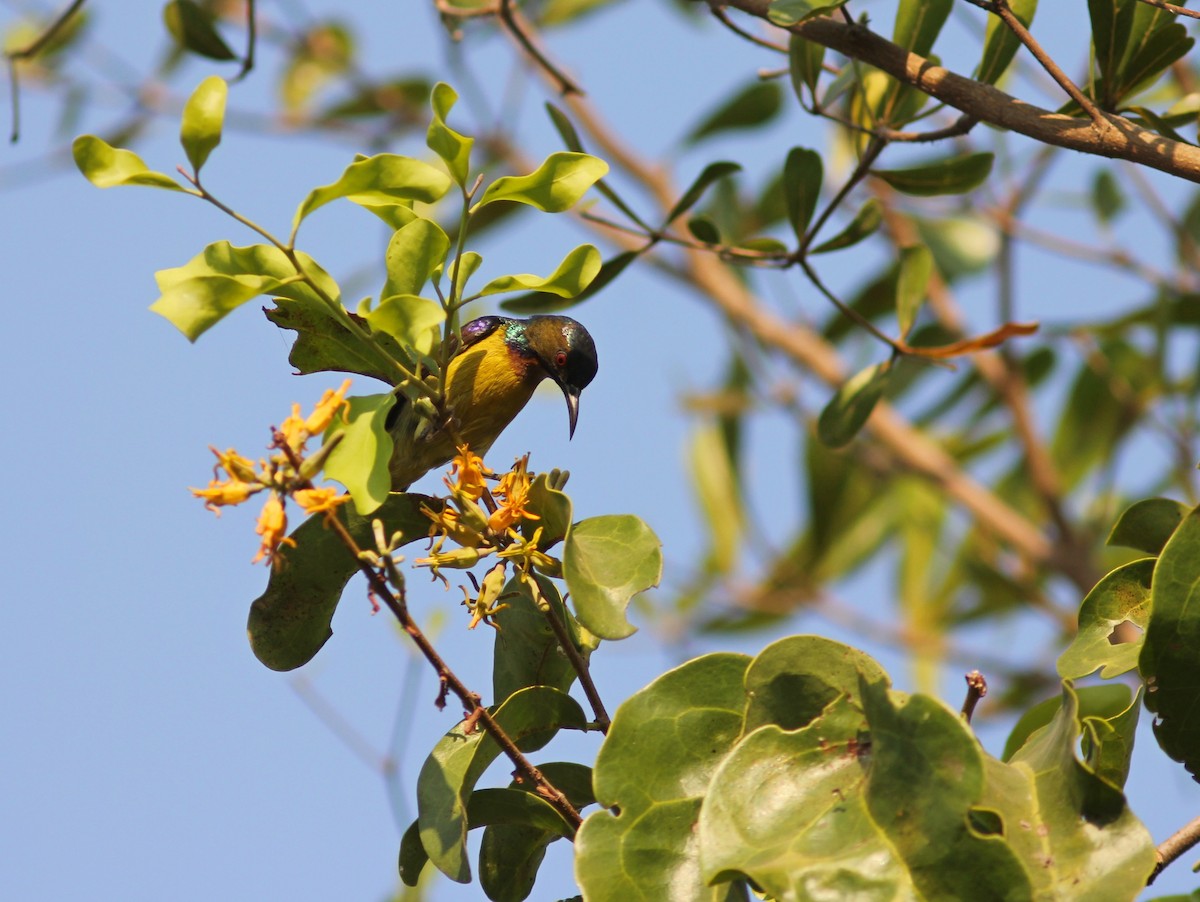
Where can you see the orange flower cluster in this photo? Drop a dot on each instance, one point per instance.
(482, 522)
(278, 475)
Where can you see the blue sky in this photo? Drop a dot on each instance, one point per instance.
(149, 755)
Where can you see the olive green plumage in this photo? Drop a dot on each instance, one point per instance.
(488, 381)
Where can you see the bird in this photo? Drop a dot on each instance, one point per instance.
(490, 378)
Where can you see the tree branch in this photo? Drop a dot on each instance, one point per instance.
(1112, 136)
(1175, 845)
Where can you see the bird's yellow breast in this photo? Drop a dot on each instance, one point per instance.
(486, 387)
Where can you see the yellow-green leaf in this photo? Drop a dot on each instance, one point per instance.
(203, 119)
(553, 187)
(106, 166)
(573, 275)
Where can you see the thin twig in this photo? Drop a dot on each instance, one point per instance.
(1172, 8)
(1017, 27)
(976, 689)
(1113, 136)
(581, 668)
(722, 17)
(509, 16)
(251, 41)
(474, 709)
(1174, 846)
(28, 52)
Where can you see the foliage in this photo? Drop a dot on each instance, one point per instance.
(796, 772)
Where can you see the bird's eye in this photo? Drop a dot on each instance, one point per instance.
(560, 359)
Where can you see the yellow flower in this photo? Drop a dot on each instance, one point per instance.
(238, 467)
(272, 526)
(226, 492)
(295, 430)
(317, 501)
(471, 472)
(448, 523)
(513, 495)
(331, 403)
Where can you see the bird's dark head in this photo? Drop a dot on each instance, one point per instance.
(566, 352)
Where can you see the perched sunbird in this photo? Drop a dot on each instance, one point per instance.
(489, 379)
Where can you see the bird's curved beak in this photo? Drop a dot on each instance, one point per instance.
(572, 396)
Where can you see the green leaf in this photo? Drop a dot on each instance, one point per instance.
(526, 652)
(1094, 420)
(1108, 742)
(918, 23)
(961, 245)
(1147, 525)
(1000, 45)
(786, 808)
(571, 139)
(360, 460)
(1164, 46)
(106, 166)
(553, 187)
(712, 172)
(1170, 656)
(193, 27)
(291, 620)
(513, 807)
(221, 278)
(789, 12)
(956, 175)
(553, 508)
(546, 302)
(656, 766)
(848, 410)
(926, 775)
(912, 285)
(606, 561)
(804, 65)
(704, 229)
(318, 54)
(864, 224)
(413, 253)
(414, 322)
(565, 128)
(792, 681)
(716, 485)
(1111, 22)
(453, 148)
(755, 104)
(573, 275)
(325, 343)
(1107, 198)
(510, 854)
(803, 174)
(531, 717)
(203, 118)
(385, 178)
(1093, 845)
(1094, 701)
(1123, 595)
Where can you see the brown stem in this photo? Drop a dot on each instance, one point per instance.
(1017, 27)
(519, 29)
(475, 710)
(581, 668)
(723, 17)
(976, 689)
(1172, 8)
(251, 41)
(28, 52)
(1175, 845)
(1111, 136)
